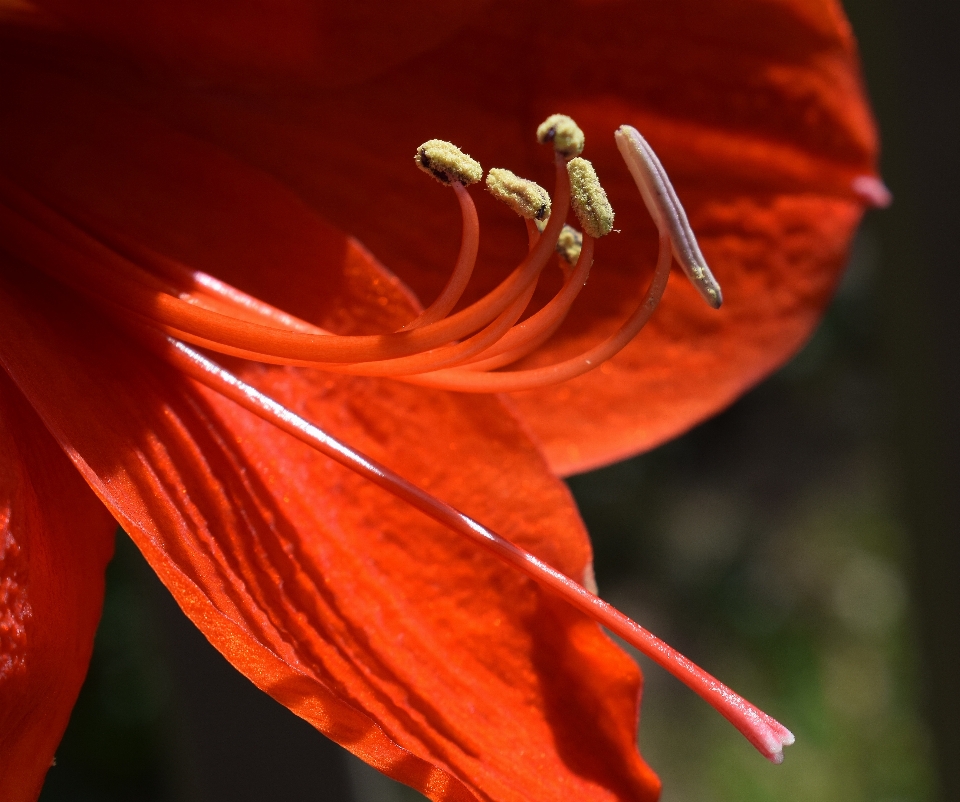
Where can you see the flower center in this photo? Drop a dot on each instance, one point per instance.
(463, 351)
(166, 303)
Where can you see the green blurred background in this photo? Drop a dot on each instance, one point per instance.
(802, 546)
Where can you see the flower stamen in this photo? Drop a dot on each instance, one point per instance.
(588, 200)
(431, 361)
(563, 133)
(526, 337)
(667, 211)
(527, 199)
(569, 244)
(515, 381)
(265, 341)
(438, 158)
(445, 162)
(460, 351)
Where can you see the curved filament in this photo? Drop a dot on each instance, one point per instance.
(526, 337)
(466, 259)
(514, 381)
(89, 275)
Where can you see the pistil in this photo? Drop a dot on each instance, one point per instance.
(763, 731)
(667, 211)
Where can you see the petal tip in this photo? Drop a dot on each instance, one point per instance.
(872, 190)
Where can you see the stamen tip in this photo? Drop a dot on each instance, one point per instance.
(712, 294)
(569, 244)
(446, 163)
(564, 133)
(526, 198)
(588, 199)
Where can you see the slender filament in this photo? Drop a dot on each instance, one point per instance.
(466, 260)
(514, 381)
(91, 275)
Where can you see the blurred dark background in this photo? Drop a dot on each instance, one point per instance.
(804, 545)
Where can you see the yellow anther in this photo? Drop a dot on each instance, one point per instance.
(563, 132)
(569, 244)
(588, 199)
(447, 163)
(526, 198)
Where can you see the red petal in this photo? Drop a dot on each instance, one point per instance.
(756, 109)
(765, 152)
(55, 541)
(426, 658)
(330, 147)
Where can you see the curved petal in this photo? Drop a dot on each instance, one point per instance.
(765, 153)
(756, 109)
(55, 541)
(431, 661)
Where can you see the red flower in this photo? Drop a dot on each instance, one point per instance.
(244, 142)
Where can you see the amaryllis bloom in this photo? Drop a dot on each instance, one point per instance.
(238, 177)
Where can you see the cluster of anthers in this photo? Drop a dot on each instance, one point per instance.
(469, 365)
(167, 305)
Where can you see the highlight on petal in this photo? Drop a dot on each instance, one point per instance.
(55, 541)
